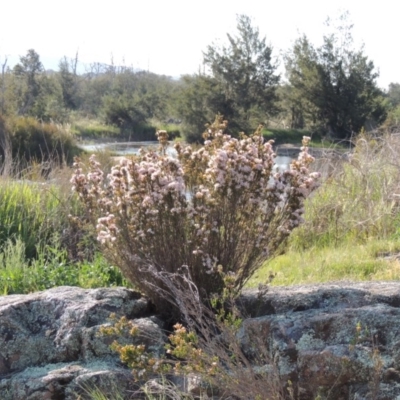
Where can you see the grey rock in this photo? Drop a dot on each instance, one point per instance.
(340, 338)
(337, 341)
(49, 342)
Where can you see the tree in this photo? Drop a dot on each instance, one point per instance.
(27, 74)
(69, 81)
(199, 98)
(246, 73)
(123, 111)
(333, 86)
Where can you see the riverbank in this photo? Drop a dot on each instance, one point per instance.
(290, 150)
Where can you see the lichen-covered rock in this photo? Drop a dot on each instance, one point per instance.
(49, 341)
(339, 338)
(67, 381)
(336, 341)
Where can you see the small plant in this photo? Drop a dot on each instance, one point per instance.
(221, 208)
(210, 352)
(367, 340)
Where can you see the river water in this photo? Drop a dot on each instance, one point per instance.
(130, 148)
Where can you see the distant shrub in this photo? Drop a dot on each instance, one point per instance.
(87, 128)
(31, 139)
(216, 211)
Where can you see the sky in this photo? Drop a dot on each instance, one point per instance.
(168, 36)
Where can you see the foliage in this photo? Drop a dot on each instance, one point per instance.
(392, 122)
(394, 94)
(30, 91)
(29, 211)
(32, 140)
(50, 268)
(333, 86)
(133, 99)
(331, 89)
(27, 74)
(246, 74)
(122, 111)
(223, 205)
(199, 97)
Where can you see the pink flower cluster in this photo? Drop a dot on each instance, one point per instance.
(222, 204)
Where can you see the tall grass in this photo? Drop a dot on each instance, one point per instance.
(29, 211)
(359, 200)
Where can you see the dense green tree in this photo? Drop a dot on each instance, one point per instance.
(200, 97)
(333, 86)
(246, 74)
(123, 111)
(136, 97)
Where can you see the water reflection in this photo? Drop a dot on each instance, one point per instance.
(131, 148)
(125, 148)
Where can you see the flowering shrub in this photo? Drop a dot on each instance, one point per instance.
(218, 210)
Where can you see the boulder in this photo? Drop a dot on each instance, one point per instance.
(50, 347)
(336, 341)
(339, 340)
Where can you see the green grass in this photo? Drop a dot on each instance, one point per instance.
(91, 129)
(174, 130)
(289, 136)
(39, 248)
(31, 211)
(295, 137)
(51, 268)
(356, 262)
